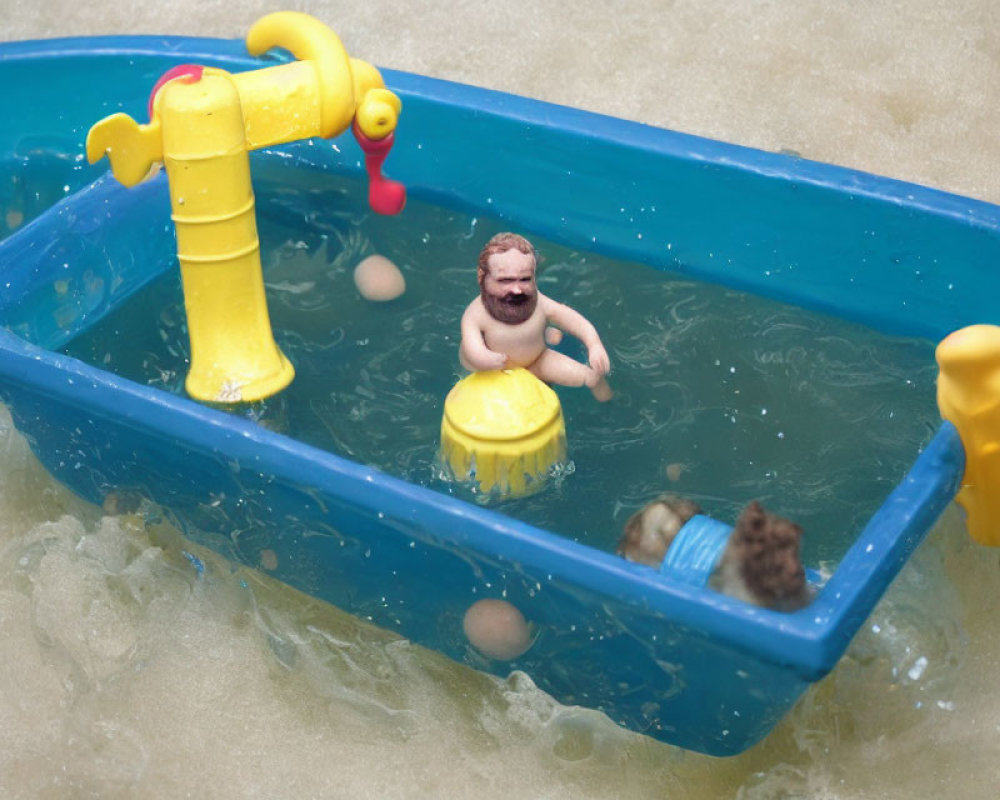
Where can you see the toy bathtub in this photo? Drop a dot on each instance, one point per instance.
(677, 662)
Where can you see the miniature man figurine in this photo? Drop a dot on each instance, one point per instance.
(506, 326)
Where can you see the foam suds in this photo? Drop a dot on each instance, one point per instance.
(130, 672)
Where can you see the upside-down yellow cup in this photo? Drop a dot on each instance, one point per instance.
(504, 430)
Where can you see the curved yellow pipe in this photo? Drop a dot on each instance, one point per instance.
(377, 108)
(310, 40)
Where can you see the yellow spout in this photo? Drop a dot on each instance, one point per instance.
(331, 83)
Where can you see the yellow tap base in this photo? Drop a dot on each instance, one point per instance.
(504, 430)
(968, 396)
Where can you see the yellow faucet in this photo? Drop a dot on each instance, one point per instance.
(203, 123)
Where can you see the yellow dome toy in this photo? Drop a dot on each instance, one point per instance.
(504, 430)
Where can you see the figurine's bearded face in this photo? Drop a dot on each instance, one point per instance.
(507, 286)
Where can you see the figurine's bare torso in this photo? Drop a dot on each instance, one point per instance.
(522, 343)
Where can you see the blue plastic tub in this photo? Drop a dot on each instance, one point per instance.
(680, 663)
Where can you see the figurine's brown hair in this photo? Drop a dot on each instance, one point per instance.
(501, 243)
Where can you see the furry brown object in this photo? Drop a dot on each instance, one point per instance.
(761, 562)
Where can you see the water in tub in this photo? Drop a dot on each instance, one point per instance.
(720, 396)
(139, 665)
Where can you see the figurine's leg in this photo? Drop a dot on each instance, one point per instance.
(554, 367)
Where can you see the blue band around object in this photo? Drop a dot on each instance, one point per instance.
(696, 550)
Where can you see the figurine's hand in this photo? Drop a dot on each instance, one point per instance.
(482, 359)
(599, 360)
(495, 360)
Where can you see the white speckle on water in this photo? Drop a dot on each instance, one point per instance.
(916, 672)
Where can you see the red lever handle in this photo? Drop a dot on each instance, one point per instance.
(384, 196)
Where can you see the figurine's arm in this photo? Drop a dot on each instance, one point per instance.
(574, 323)
(473, 352)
